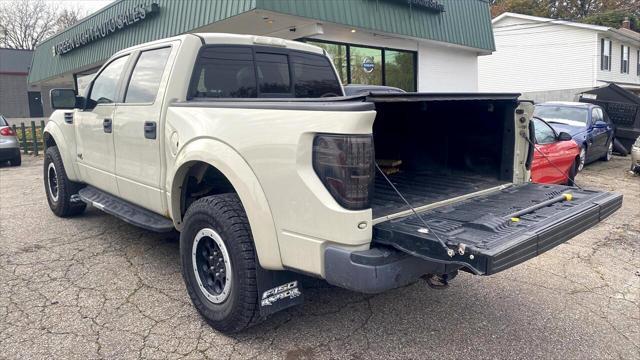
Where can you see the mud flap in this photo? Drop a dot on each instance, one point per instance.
(278, 290)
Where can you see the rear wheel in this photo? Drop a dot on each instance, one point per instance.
(16, 161)
(58, 187)
(219, 263)
(609, 153)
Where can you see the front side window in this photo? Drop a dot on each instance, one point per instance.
(624, 55)
(273, 74)
(146, 76)
(597, 115)
(105, 86)
(314, 76)
(544, 132)
(605, 54)
(224, 72)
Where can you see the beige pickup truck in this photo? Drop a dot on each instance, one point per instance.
(248, 147)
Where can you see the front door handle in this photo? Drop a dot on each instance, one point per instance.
(150, 129)
(107, 125)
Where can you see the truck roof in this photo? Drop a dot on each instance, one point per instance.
(236, 39)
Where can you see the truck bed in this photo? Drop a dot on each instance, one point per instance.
(426, 187)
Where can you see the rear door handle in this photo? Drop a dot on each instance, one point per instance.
(107, 125)
(150, 129)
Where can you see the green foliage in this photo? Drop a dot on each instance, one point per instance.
(599, 12)
(613, 19)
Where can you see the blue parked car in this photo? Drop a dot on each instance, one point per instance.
(588, 124)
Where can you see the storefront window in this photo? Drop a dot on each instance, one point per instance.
(364, 65)
(399, 67)
(338, 55)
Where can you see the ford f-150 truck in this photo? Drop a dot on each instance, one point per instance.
(248, 147)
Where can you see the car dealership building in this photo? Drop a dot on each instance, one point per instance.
(423, 45)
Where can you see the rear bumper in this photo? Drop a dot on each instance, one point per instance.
(9, 153)
(376, 270)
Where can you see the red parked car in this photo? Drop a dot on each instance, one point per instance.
(561, 157)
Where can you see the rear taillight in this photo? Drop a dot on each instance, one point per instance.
(345, 165)
(7, 131)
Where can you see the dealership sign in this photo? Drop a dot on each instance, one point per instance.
(118, 22)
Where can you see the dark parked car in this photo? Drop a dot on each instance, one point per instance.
(588, 124)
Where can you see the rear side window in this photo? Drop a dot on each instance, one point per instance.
(224, 72)
(314, 76)
(245, 72)
(146, 76)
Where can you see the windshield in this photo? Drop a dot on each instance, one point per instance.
(552, 113)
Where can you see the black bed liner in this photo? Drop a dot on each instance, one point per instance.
(493, 241)
(425, 187)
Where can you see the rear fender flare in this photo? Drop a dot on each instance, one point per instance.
(222, 157)
(66, 147)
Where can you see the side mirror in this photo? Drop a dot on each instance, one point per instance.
(600, 124)
(63, 98)
(563, 136)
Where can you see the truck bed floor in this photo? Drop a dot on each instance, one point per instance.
(424, 188)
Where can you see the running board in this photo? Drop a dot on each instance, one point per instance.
(133, 214)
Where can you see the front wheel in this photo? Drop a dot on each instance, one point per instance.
(582, 158)
(58, 187)
(573, 171)
(219, 262)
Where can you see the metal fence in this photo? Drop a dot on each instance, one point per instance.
(31, 137)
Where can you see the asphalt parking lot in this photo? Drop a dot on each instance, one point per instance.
(96, 287)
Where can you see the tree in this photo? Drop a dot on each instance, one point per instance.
(25, 23)
(599, 12)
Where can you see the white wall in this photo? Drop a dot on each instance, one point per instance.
(534, 56)
(446, 69)
(614, 74)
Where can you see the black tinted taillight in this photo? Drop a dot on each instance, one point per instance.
(345, 166)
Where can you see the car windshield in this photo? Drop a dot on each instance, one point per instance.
(552, 113)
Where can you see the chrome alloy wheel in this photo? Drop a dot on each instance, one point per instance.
(211, 265)
(610, 151)
(583, 156)
(52, 180)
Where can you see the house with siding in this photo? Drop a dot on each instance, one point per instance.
(547, 59)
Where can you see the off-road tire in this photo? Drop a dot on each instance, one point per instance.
(62, 205)
(225, 215)
(16, 161)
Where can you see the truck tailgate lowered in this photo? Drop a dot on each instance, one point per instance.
(486, 235)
